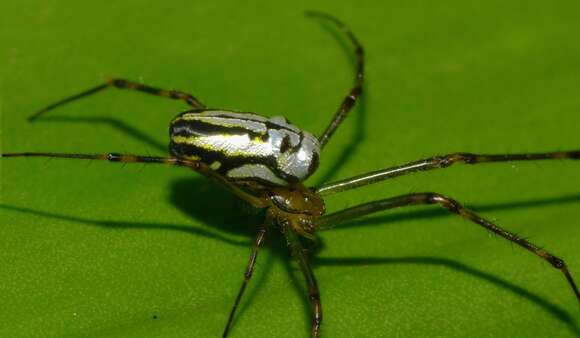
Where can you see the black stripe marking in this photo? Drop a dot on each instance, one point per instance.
(196, 128)
(229, 162)
(249, 117)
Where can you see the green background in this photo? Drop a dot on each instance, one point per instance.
(101, 250)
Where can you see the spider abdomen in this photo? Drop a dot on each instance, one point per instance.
(245, 146)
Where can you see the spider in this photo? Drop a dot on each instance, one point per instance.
(265, 161)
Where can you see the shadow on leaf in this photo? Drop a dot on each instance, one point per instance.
(218, 209)
(553, 309)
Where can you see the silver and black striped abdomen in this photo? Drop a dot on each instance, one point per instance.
(246, 146)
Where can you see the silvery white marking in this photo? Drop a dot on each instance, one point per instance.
(288, 153)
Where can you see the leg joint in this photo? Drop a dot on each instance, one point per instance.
(174, 94)
(444, 201)
(556, 262)
(466, 158)
(314, 296)
(118, 83)
(114, 157)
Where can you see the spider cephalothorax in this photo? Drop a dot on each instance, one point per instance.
(298, 206)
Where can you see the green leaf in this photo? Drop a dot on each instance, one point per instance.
(102, 250)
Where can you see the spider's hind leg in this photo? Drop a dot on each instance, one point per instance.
(123, 84)
(197, 166)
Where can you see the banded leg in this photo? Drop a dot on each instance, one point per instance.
(300, 254)
(349, 101)
(453, 206)
(112, 157)
(126, 158)
(439, 162)
(258, 242)
(123, 84)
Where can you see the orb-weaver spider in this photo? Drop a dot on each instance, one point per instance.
(265, 160)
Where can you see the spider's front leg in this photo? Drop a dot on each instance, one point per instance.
(330, 220)
(356, 90)
(301, 256)
(440, 162)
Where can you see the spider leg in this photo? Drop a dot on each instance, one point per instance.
(124, 84)
(197, 166)
(330, 220)
(258, 242)
(349, 101)
(112, 157)
(300, 254)
(439, 162)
